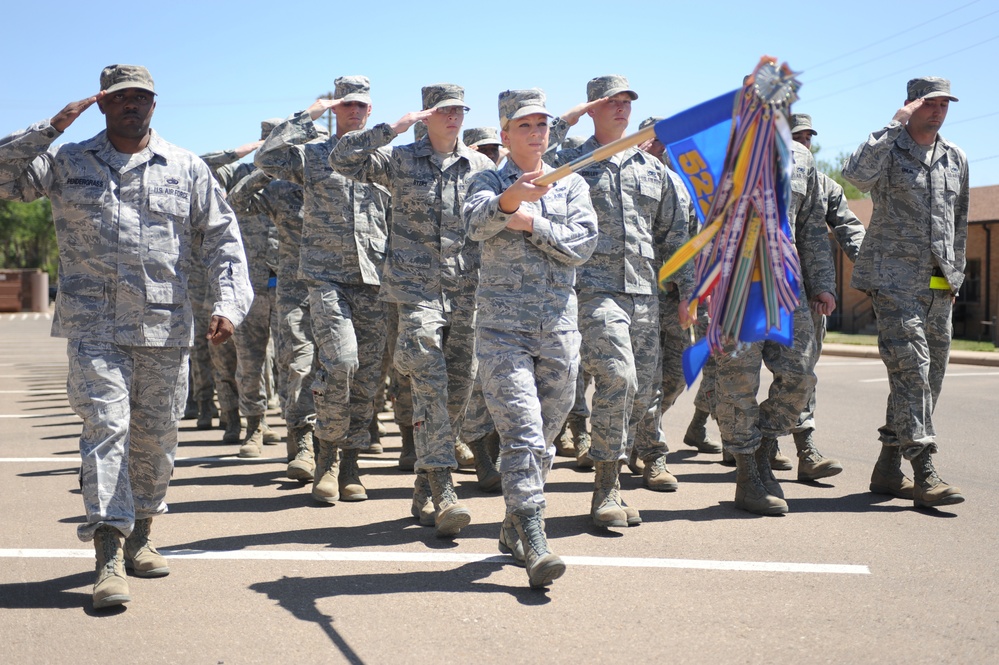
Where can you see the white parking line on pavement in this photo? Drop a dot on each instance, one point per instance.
(74, 459)
(422, 557)
(26, 416)
(38, 391)
(847, 363)
(949, 375)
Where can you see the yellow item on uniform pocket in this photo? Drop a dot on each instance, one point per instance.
(939, 283)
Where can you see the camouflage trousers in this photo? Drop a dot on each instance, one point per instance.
(348, 322)
(399, 385)
(202, 381)
(620, 348)
(741, 419)
(437, 351)
(296, 351)
(669, 381)
(477, 423)
(914, 335)
(704, 399)
(673, 341)
(130, 399)
(580, 408)
(224, 373)
(251, 340)
(528, 381)
(806, 419)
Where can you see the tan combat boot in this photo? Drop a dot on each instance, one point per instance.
(407, 458)
(750, 493)
(423, 501)
(564, 444)
(887, 477)
(605, 507)
(205, 414)
(509, 542)
(811, 464)
(302, 465)
(928, 490)
(141, 558)
(349, 477)
(375, 432)
(254, 441)
(657, 477)
(452, 515)
(635, 463)
(764, 461)
(697, 434)
(581, 437)
(778, 460)
(270, 437)
(111, 586)
(485, 464)
(325, 484)
(232, 427)
(543, 565)
(463, 455)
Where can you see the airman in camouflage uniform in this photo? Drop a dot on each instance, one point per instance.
(848, 232)
(431, 274)
(282, 201)
(129, 209)
(912, 265)
(750, 429)
(527, 340)
(477, 428)
(674, 339)
(252, 337)
(342, 250)
(642, 221)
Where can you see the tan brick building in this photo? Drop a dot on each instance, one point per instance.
(977, 309)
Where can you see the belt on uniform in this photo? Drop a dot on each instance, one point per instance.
(939, 283)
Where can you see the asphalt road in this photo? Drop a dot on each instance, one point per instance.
(261, 574)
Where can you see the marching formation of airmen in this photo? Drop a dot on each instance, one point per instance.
(437, 275)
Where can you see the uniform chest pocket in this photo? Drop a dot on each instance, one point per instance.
(650, 189)
(160, 232)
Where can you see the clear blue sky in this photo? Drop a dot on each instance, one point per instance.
(221, 67)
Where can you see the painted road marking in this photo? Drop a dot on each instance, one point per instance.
(949, 375)
(75, 459)
(423, 557)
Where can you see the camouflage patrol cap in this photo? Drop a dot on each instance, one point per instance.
(267, 126)
(352, 89)
(572, 142)
(801, 122)
(120, 77)
(515, 104)
(443, 94)
(608, 86)
(649, 121)
(481, 136)
(928, 87)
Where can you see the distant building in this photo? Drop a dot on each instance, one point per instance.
(977, 307)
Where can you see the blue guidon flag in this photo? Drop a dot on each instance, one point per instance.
(734, 155)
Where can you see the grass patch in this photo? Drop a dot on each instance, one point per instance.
(872, 340)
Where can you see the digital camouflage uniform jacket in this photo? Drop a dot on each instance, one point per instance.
(127, 226)
(920, 218)
(526, 279)
(428, 261)
(344, 225)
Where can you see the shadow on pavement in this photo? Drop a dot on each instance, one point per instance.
(402, 531)
(48, 594)
(300, 596)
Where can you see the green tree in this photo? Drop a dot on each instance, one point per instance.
(27, 236)
(834, 170)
